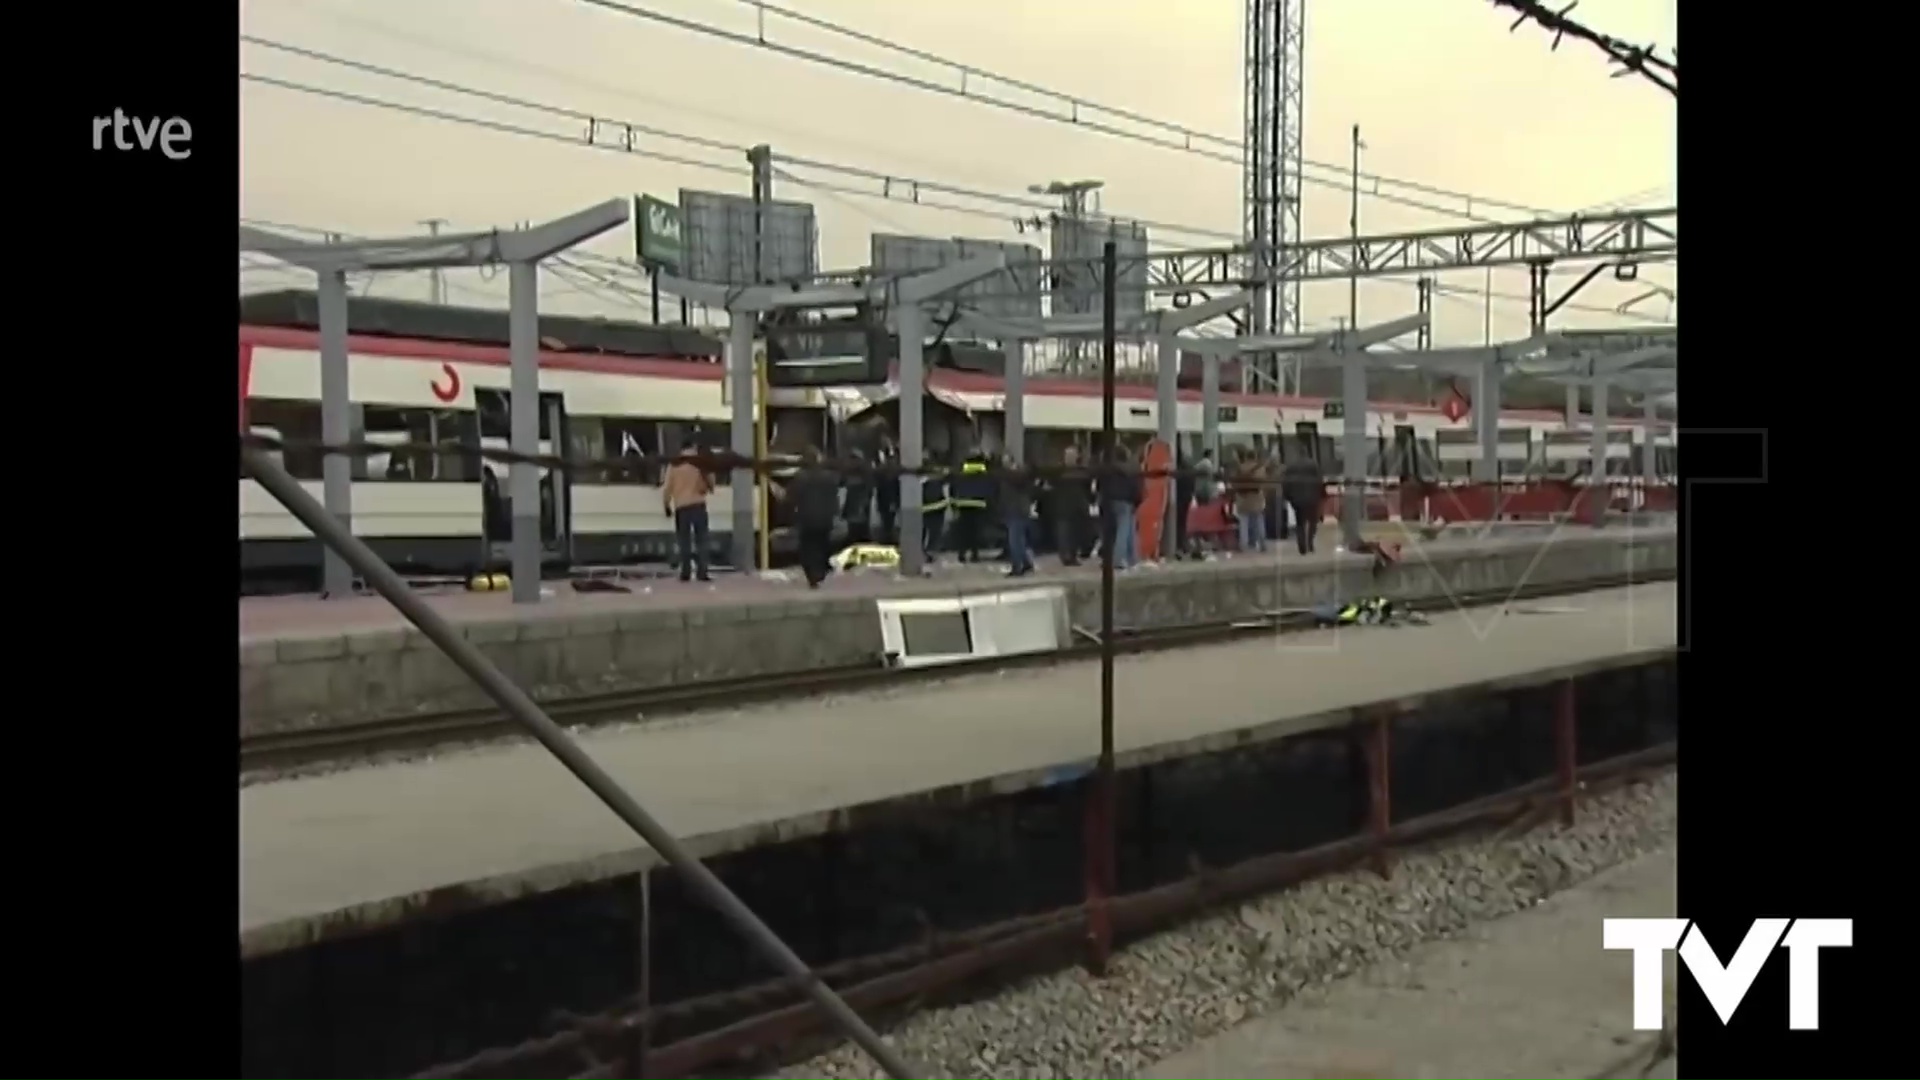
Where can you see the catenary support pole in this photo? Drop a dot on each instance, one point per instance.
(1210, 405)
(1167, 416)
(1353, 446)
(1486, 421)
(1015, 409)
(1649, 463)
(523, 477)
(1597, 453)
(1101, 835)
(908, 322)
(336, 425)
(741, 379)
(522, 708)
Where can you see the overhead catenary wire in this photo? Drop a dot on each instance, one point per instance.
(607, 133)
(1079, 112)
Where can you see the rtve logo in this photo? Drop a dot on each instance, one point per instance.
(1726, 985)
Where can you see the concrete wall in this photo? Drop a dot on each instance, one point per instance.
(308, 683)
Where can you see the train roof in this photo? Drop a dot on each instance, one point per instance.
(372, 317)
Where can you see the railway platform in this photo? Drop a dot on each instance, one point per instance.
(307, 663)
(353, 851)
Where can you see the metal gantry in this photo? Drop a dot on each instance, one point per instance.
(1617, 236)
(521, 250)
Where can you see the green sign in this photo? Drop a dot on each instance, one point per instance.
(656, 233)
(1333, 410)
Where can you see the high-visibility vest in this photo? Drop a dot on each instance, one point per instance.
(970, 468)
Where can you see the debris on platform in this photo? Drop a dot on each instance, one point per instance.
(1367, 611)
(866, 557)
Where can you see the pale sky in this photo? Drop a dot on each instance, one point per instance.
(1443, 93)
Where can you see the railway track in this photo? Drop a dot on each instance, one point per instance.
(277, 752)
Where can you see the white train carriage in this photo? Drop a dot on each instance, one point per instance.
(1404, 439)
(448, 513)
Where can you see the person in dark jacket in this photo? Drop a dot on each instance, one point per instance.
(1016, 513)
(1303, 486)
(1070, 498)
(1121, 489)
(856, 502)
(814, 496)
(886, 491)
(933, 513)
(967, 495)
(1182, 499)
(1277, 526)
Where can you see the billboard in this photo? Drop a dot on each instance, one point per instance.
(1077, 248)
(717, 239)
(1013, 293)
(656, 234)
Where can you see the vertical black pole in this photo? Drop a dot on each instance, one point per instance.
(1110, 270)
(656, 296)
(1101, 822)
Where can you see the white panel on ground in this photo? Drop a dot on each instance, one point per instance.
(950, 630)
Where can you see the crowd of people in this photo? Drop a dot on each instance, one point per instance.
(1246, 506)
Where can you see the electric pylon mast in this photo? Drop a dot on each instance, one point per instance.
(1275, 47)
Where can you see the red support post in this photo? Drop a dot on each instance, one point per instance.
(1098, 843)
(1566, 749)
(1379, 789)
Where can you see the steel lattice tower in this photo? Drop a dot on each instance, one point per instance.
(1275, 45)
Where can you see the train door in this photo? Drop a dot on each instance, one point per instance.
(1405, 454)
(1306, 441)
(556, 522)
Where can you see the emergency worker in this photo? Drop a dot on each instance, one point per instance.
(967, 497)
(933, 512)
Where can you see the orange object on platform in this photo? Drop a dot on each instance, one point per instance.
(1154, 492)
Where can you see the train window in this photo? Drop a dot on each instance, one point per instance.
(496, 415)
(411, 434)
(793, 430)
(586, 443)
(623, 438)
(1305, 442)
(294, 422)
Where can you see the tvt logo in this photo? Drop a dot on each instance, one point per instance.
(1726, 985)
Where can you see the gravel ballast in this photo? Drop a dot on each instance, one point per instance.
(1171, 989)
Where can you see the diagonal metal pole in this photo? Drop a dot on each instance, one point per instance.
(522, 708)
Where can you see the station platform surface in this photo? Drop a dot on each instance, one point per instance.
(307, 663)
(358, 849)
